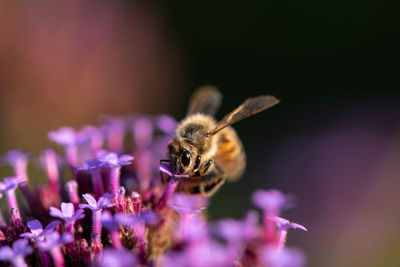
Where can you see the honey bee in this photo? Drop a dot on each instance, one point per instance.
(202, 145)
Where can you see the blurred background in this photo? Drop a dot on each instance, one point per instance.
(333, 142)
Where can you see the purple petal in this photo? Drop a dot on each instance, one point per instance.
(21, 247)
(109, 158)
(86, 206)
(36, 227)
(104, 200)
(67, 209)
(166, 124)
(184, 203)
(56, 213)
(27, 235)
(67, 238)
(269, 200)
(63, 136)
(51, 226)
(6, 253)
(14, 156)
(285, 225)
(90, 200)
(125, 160)
(78, 215)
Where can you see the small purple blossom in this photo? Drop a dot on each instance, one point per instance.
(238, 230)
(187, 204)
(103, 202)
(113, 160)
(18, 160)
(16, 254)
(37, 231)
(272, 200)
(53, 240)
(66, 136)
(166, 124)
(288, 257)
(116, 258)
(67, 212)
(10, 184)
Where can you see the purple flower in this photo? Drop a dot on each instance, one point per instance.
(143, 132)
(109, 222)
(288, 257)
(113, 160)
(117, 258)
(67, 212)
(285, 225)
(91, 165)
(15, 157)
(66, 136)
(269, 200)
(166, 123)
(187, 204)
(17, 253)
(103, 202)
(238, 230)
(53, 240)
(10, 183)
(37, 231)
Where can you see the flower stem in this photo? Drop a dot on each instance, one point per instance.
(116, 240)
(97, 183)
(15, 216)
(52, 170)
(72, 190)
(114, 185)
(45, 259)
(57, 256)
(96, 230)
(281, 239)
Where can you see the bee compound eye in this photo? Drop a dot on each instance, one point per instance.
(185, 158)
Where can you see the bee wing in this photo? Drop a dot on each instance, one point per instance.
(206, 100)
(249, 107)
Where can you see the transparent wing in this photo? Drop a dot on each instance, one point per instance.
(249, 107)
(206, 99)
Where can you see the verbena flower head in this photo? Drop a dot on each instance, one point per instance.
(103, 202)
(37, 231)
(149, 220)
(67, 212)
(16, 254)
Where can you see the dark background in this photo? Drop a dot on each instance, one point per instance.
(332, 142)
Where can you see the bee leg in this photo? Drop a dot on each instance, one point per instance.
(198, 186)
(208, 188)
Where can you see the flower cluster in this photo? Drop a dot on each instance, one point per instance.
(106, 202)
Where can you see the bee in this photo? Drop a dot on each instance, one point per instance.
(202, 145)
